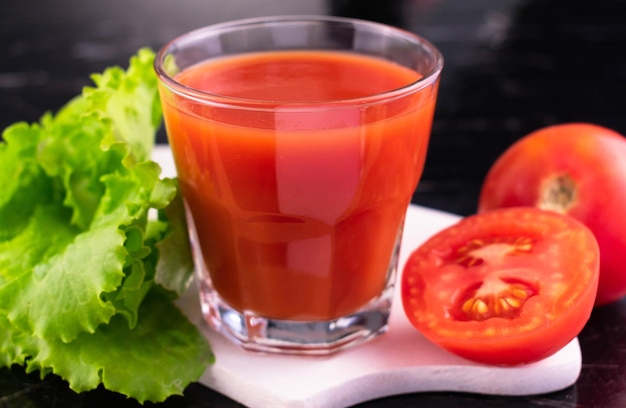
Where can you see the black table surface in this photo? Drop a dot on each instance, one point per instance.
(511, 66)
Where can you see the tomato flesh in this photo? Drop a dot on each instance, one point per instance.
(506, 287)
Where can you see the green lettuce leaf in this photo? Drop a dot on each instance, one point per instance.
(162, 340)
(93, 245)
(171, 271)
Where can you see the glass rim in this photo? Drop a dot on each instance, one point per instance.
(221, 100)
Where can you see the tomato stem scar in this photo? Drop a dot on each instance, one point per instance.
(558, 194)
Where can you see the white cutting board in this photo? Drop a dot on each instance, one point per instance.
(398, 362)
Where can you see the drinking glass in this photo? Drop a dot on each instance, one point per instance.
(298, 143)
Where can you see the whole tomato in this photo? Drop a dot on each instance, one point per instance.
(576, 169)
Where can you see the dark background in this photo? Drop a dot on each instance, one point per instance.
(511, 66)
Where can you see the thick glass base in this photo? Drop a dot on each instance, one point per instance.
(325, 337)
(313, 337)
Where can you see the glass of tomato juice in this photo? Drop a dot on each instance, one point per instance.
(298, 142)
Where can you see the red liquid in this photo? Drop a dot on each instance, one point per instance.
(297, 213)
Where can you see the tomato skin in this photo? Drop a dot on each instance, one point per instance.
(560, 269)
(593, 159)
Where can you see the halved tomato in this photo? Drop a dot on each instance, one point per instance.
(505, 287)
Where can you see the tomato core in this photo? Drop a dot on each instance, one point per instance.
(492, 297)
(478, 251)
(558, 194)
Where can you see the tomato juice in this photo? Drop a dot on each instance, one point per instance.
(296, 176)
